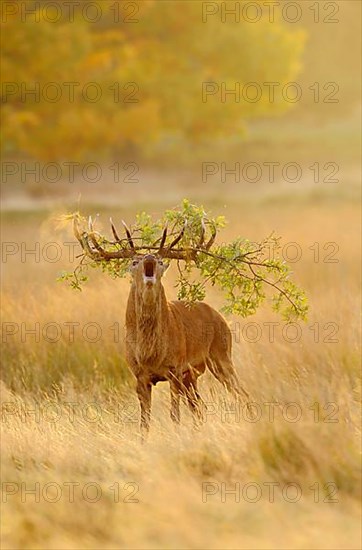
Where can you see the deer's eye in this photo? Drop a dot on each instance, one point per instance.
(135, 262)
(160, 262)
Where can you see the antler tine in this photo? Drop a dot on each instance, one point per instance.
(97, 252)
(83, 239)
(128, 233)
(115, 234)
(203, 231)
(175, 254)
(179, 237)
(91, 236)
(210, 242)
(163, 240)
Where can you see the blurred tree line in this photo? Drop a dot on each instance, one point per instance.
(82, 85)
(148, 77)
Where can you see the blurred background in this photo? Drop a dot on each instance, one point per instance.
(253, 110)
(129, 99)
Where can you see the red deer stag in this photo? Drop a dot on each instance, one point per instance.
(167, 341)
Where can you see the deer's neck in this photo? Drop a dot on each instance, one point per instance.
(149, 324)
(153, 313)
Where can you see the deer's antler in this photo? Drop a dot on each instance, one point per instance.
(94, 249)
(189, 253)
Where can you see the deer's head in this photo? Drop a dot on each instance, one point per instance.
(148, 268)
(147, 271)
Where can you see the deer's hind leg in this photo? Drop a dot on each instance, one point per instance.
(190, 390)
(224, 371)
(175, 380)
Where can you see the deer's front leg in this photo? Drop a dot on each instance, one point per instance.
(144, 388)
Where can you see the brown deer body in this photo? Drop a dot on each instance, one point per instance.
(171, 341)
(168, 341)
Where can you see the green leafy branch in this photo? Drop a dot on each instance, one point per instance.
(247, 273)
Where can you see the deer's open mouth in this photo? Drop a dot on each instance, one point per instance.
(149, 271)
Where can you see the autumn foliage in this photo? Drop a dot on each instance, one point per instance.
(134, 77)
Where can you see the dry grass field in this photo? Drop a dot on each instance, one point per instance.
(178, 110)
(74, 471)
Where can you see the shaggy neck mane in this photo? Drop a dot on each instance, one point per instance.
(150, 322)
(148, 315)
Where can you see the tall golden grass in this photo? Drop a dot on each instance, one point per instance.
(70, 414)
